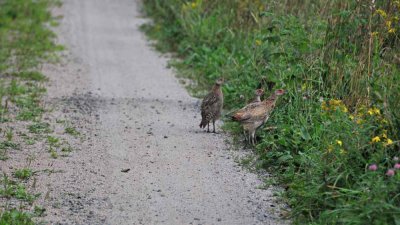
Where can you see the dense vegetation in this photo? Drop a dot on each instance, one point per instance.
(336, 147)
(25, 43)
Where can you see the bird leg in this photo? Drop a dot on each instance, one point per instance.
(253, 139)
(214, 126)
(208, 127)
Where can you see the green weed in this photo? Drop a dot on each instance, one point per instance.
(72, 131)
(23, 174)
(12, 189)
(14, 217)
(39, 128)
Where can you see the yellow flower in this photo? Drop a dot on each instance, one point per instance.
(392, 31)
(351, 117)
(342, 151)
(373, 111)
(360, 121)
(389, 24)
(258, 42)
(370, 112)
(335, 102)
(376, 139)
(339, 142)
(344, 109)
(389, 141)
(375, 33)
(193, 5)
(324, 106)
(384, 135)
(303, 86)
(377, 111)
(381, 12)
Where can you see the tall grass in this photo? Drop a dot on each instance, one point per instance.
(338, 127)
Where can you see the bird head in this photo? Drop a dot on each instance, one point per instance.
(220, 81)
(279, 92)
(259, 92)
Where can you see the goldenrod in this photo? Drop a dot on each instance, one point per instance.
(376, 139)
(381, 12)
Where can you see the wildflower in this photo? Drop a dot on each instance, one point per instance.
(397, 166)
(392, 31)
(304, 87)
(373, 34)
(344, 109)
(335, 102)
(324, 106)
(330, 148)
(339, 142)
(390, 172)
(388, 142)
(389, 24)
(381, 12)
(373, 167)
(395, 158)
(384, 135)
(342, 151)
(258, 42)
(376, 139)
(193, 5)
(351, 117)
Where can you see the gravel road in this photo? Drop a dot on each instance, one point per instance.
(144, 123)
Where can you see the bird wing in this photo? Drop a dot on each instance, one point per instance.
(245, 113)
(208, 101)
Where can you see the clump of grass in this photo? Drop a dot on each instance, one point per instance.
(15, 216)
(39, 128)
(23, 174)
(53, 153)
(12, 189)
(340, 115)
(72, 131)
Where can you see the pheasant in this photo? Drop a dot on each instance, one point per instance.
(212, 104)
(254, 115)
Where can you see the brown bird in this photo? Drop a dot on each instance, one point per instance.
(254, 115)
(258, 93)
(212, 104)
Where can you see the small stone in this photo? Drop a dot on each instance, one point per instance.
(125, 170)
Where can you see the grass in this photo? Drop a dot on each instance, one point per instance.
(23, 174)
(39, 128)
(14, 217)
(337, 60)
(72, 131)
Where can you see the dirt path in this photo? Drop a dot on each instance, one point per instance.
(145, 121)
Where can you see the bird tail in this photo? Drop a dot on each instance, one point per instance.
(203, 123)
(236, 117)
